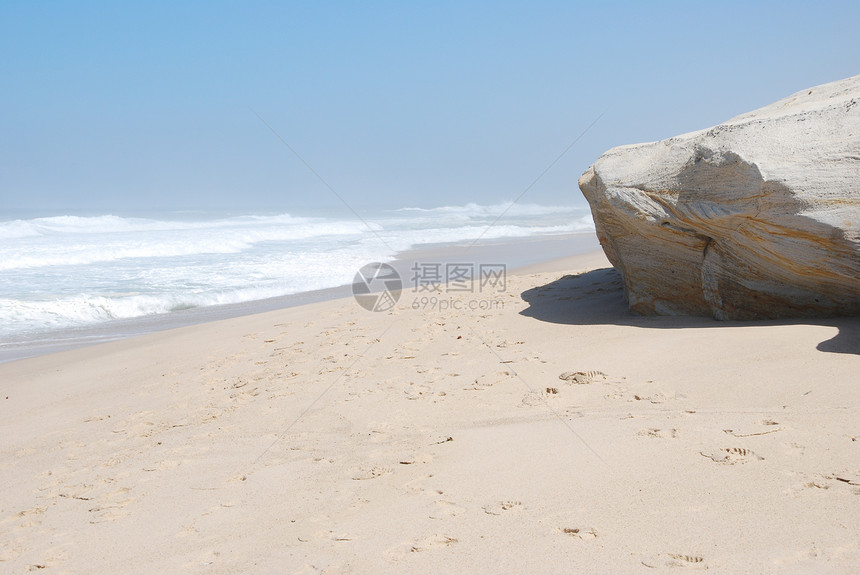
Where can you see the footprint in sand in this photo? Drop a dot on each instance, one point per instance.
(826, 481)
(501, 506)
(444, 509)
(371, 473)
(817, 482)
(81, 492)
(768, 426)
(421, 485)
(11, 549)
(675, 560)
(658, 397)
(580, 533)
(540, 397)
(661, 433)
(732, 455)
(110, 506)
(413, 457)
(534, 398)
(418, 391)
(433, 542)
(28, 517)
(490, 379)
(582, 377)
(748, 433)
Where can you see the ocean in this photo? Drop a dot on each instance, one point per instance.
(64, 272)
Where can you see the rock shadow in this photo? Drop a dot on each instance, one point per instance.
(848, 338)
(597, 298)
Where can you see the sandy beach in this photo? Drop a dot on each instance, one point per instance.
(540, 428)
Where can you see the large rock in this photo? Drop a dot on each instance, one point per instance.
(758, 217)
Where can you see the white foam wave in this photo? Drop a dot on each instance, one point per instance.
(108, 224)
(69, 271)
(158, 240)
(85, 309)
(506, 209)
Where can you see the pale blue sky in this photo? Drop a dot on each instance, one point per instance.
(111, 106)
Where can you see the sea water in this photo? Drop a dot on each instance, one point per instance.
(67, 271)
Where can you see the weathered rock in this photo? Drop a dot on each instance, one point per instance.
(758, 217)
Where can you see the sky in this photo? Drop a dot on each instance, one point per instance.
(111, 106)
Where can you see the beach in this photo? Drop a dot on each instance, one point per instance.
(532, 427)
(426, 288)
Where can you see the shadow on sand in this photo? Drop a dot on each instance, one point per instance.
(597, 297)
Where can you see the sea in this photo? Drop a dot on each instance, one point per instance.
(63, 273)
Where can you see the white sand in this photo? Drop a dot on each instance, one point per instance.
(329, 439)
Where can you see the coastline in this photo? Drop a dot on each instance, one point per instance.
(513, 252)
(324, 437)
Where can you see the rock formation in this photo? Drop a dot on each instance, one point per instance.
(758, 217)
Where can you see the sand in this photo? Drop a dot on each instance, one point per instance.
(328, 439)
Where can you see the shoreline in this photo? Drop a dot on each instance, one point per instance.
(555, 247)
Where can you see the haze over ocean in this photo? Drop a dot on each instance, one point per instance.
(119, 106)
